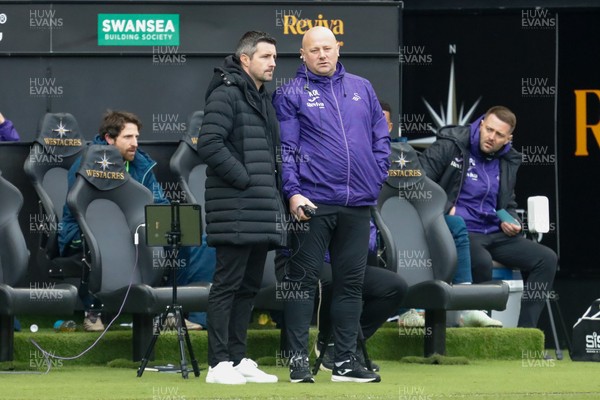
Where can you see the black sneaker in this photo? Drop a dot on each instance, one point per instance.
(327, 361)
(300, 370)
(353, 371)
(361, 359)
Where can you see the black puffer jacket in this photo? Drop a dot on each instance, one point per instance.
(237, 141)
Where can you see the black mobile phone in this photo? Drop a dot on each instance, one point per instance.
(308, 210)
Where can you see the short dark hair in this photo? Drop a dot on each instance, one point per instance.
(504, 115)
(114, 122)
(386, 107)
(248, 42)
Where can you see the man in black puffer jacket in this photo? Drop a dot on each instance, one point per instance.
(244, 210)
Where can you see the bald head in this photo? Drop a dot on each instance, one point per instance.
(320, 51)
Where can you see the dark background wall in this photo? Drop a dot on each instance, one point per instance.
(533, 59)
(164, 84)
(530, 58)
(51, 60)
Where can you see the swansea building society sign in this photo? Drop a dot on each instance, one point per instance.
(138, 29)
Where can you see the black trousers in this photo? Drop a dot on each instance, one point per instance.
(344, 231)
(382, 293)
(538, 263)
(237, 280)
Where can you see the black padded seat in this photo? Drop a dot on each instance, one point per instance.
(37, 298)
(419, 244)
(58, 144)
(109, 207)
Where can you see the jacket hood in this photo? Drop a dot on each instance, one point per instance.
(99, 140)
(475, 149)
(304, 73)
(231, 74)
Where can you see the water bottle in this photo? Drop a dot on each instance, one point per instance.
(65, 326)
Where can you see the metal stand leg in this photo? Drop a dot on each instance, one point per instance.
(559, 355)
(183, 339)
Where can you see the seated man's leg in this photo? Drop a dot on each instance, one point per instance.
(458, 228)
(481, 267)
(92, 321)
(383, 292)
(481, 259)
(539, 262)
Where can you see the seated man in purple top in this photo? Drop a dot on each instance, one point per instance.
(8, 133)
(477, 167)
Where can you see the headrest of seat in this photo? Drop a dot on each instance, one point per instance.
(405, 169)
(61, 131)
(194, 125)
(103, 167)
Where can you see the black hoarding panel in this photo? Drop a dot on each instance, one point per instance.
(193, 28)
(474, 60)
(579, 140)
(157, 59)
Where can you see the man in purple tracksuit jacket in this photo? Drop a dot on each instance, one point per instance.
(477, 167)
(335, 148)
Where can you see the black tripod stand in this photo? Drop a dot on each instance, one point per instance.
(174, 309)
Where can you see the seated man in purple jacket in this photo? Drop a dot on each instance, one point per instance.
(8, 133)
(335, 148)
(477, 167)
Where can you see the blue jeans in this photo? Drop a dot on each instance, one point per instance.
(458, 228)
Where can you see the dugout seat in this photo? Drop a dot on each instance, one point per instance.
(58, 144)
(109, 207)
(187, 166)
(420, 247)
(39, 298)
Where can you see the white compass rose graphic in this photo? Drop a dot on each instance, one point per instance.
(401, 161)
(61, 129)
(451, 116)
(104, 163)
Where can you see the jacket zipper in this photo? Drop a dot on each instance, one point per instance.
(345, 142)
(487, 190)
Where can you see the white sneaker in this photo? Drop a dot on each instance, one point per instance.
(411, 319)
(477, 318)
(249, 370)
(225, 374)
